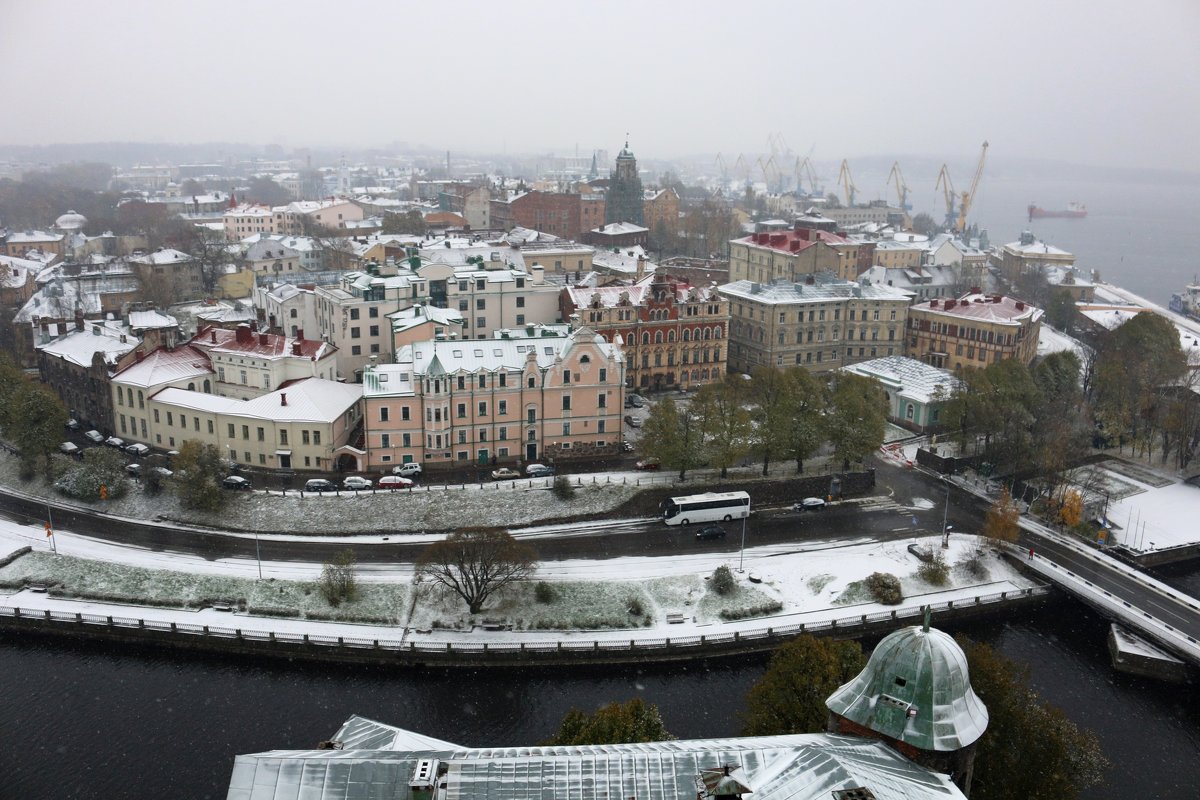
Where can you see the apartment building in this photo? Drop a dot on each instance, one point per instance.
(175, 271)
(530, 394)
(1028, 253)
(294, 219)
(674, 334)
(285, 257)
(973, 331)
(791, 255)
(288, 309)
(248, 364)
(310, 424)
(821, 324)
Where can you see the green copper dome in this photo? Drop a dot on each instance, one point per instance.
(915, 689)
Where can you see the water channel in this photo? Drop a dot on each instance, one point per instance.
(97, 721)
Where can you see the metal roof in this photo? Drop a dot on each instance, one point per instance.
(796, 767)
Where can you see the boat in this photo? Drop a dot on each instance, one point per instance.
(1187, 302)
(1073, 211)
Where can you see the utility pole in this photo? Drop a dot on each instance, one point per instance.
(742, 554)
(945, 527)
(50, 529)
(257, 554)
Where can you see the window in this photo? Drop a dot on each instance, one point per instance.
(532, 382)
(462, 410)
(483, 381)
(481, 322)
(304, 437)
(383, 413)
(354, 313)
(283, 436)
(316, 437)
(520, 319)
(406, 440)
(462, 437)
(463, 305)
(503, 433)
(374, 330)
(480, 304)
(531, 415)
(566, 402)
(482, 437)
(566, 376)
(602, 400)
(404, 415)
(373, 311)
(503, 409)
(520, 302)
(600, 426)
(355, 333)
(483, 408)
(566, 429)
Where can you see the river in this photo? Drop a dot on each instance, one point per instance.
(97, 721)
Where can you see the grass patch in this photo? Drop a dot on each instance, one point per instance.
(817, 583)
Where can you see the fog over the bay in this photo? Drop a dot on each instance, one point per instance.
(1095, 81)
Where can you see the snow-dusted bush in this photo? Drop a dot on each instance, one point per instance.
(102, 467)
(752, 611)
(563, 488)
(723, 582)
(885, 588)
(544, 593)
(935, 571)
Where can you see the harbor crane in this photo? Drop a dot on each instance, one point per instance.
(947, 187)
(901, 186)
(724, 169)
(968, 197)
(740, 169)
(804, 168)
(770, 170)
(847, 182)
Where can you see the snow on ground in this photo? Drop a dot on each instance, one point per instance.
(812, 582)
(1156, 517)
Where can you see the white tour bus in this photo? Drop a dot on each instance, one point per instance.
(708, 507)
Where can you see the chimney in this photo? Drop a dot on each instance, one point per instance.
(140, 354)
(213, 335)
(79, 319)
(262, 339)
(1020, 306)
(296, 348)
(283, 398)
(243, 334)
(641, 267)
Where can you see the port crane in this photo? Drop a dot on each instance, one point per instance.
(804, 168)
(847, 182)
(947, 187)
(901, 186)
(770, 169)
(968, 197)
(724, 170)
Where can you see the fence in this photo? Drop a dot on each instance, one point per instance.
(578, 481)
(462, 652)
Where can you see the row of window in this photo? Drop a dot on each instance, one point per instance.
(696, 356)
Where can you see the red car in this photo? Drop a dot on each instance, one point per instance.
(649, 464)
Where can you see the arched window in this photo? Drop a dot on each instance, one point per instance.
(908, 411)
(645, 337)
(687, 334)
(671, 335)
(716, 333)
(207, 387)
(708, 333)
(658, 337)
(191, 387)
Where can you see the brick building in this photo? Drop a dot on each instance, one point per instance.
(973, 331)
(673, 333)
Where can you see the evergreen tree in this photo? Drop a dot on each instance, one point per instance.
(616, 723)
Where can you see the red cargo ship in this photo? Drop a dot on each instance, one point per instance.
(1074, 211)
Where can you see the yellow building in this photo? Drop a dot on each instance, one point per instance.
(973, 331)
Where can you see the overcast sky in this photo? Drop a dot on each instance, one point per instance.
(1088, 81)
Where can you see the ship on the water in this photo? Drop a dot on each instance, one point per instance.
(1073, 211)
(1187, 302)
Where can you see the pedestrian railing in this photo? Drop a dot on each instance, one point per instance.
(567, 644)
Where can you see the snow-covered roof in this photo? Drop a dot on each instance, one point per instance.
(308, 400)
(791, 767)
(908, 377)
(634, 294)
(243, 341)
(619, 228)
(59, 299)
(997, 309)
(15, 272)
(259, 243)
(161, 366)
(249, 211)
(1054, 341)
(34, 237)
(144, 320)
(822, 290)
(162, 257)
(623, 260)
(1035, 248)
(80, 347)
(793, 241)
(221, 313)
(419, 314)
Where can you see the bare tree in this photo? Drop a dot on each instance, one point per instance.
(475, 563)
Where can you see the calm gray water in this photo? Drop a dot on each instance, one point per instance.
(83, 721)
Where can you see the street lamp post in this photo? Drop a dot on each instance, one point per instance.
(945, 526)
(257, 554)
(742, 553)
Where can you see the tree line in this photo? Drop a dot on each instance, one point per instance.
(773, 414)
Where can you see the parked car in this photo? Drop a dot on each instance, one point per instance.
(68, 448)
(113, 441)
(539, 471)
(810, 504)
(73, 424)
(632, 421)
(649, 464)
(356, 482)
(94, 436)
(410, 470)
(711, 532)
(633, 401)
(138, 450)
(319, 485)
(237, 483)
(163, 471)
(529, 468)
(626, 447)
(394, 482)
(505, 474)
(134, 469)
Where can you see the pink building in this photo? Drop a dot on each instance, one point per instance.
(528, 395)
